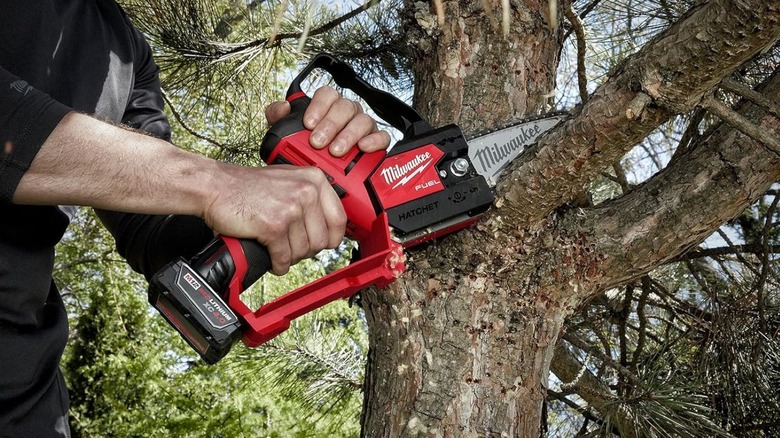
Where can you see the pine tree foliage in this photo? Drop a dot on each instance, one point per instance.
(319, 363)
(130, 375)
(690, 349)
(223, 61)
(109, 366)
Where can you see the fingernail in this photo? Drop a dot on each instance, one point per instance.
(318, 138)
(283, 106)
(312, 121)
(338, 146)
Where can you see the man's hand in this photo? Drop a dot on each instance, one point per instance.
(292, 211)
(336, 122)
(296, 211)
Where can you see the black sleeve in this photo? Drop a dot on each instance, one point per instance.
(27, 117)
(145, 111)
(150, 242)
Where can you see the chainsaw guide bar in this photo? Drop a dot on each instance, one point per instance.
(492, 150)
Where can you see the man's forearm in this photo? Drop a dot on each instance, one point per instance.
(291, 210)
(88, 162)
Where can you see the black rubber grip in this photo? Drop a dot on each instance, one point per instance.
(258, 261)
(388, 107)
(291, 124)
(216, 264)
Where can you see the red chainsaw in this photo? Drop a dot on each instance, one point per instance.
(425, 187)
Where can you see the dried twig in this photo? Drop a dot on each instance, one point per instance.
(741, 123)
(752, 248)
(620, 176)
(585, 11)
(579, 32)
(188, 128)
(751, 94)
(561, 397)
(595, 352)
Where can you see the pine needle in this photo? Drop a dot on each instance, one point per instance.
(277, 22)
(505, 17)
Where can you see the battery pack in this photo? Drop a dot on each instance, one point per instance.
(192, 307)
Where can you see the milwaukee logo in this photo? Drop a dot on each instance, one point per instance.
(495, 155)
(21, 86)
(404, 173)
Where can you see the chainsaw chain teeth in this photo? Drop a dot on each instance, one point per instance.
(515, 123)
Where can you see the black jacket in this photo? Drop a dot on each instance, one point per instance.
(58, 56)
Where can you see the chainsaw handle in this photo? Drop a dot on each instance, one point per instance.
(388, 107)
(231, 264)
(382, 261)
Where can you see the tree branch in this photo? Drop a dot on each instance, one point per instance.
(276, 38)
(668, 76)
(604, 357)
(679, 207)
(754, 248)
(574, 406)
(575, 374)
(749, 93)
(744, 125)
(585, 11)
(579, 31)
(192, 131)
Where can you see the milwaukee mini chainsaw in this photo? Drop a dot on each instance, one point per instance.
(431, 183)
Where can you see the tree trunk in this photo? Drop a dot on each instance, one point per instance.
(463, 347)
(462, 344)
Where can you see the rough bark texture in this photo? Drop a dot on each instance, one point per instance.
(462, 344)
(467, 73)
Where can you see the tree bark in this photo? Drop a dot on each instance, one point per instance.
(455, 352)
(462, 344)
